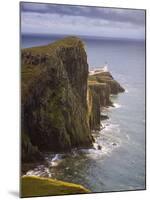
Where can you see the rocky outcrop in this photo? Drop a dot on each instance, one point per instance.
(54, 97)
(107, 78)
(32, 186)
(100, 87)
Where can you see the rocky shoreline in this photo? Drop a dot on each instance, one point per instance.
(60, 100)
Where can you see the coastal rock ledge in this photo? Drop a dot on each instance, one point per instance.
(100, 86)
(60, 102)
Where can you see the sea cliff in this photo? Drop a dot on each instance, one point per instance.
(100, 86)
(54, 98)
(60, 102)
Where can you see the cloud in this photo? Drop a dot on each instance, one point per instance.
(52, 18)
(112, 14)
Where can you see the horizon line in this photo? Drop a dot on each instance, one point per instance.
(82, 36)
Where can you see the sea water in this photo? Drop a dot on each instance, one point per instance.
(120, 164)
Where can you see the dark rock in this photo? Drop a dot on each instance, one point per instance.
(93, 140)
(104, 117)
(29, 152)
(99, 147)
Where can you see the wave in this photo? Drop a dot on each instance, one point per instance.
(40, 170)
(43, 170)
(111, 132)
(106, 141)
(116, 105)
(128, 137)
(110, 127)
(56, 160)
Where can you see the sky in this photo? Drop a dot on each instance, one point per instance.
(39, 18)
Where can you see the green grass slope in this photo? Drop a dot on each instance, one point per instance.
(32, 186)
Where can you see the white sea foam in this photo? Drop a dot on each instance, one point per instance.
(127, 136)
(56, 160)
(56, 157)
(110, 127)
(106, 142)
(95, 145)
(117, 105)
(41, 170)
(110, 133)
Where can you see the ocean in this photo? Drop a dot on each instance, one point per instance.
(120, 164)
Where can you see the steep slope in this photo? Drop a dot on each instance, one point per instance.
(100, 87)
(54, 96)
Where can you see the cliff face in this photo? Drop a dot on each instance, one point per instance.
(29, 151)
(54, 96)
(100, 87)
(94, 106)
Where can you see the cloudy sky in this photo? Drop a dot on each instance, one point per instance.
(78, 20)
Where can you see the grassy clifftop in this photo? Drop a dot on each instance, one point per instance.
(106, 78)
(67, 42)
